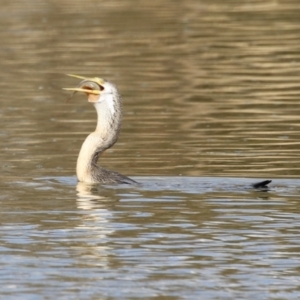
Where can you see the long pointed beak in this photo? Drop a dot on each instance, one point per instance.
(98, 80)
(88, 91)
(79, 88)
(77, 76)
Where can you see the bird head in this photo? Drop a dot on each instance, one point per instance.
(95, 88)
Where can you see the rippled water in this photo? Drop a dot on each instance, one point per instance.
(210, 92)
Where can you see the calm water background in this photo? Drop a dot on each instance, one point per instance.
(210, 91)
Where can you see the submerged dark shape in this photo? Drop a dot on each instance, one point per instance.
(262, 184)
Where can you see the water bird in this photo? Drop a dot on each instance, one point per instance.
(107, 101)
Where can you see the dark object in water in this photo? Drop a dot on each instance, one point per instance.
(261, 184)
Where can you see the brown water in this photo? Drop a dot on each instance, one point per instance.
(210, 91)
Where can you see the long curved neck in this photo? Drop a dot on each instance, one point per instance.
(106, 134)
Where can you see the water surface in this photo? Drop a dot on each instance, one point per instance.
(210, 92)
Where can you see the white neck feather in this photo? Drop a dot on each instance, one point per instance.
(105, 135)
